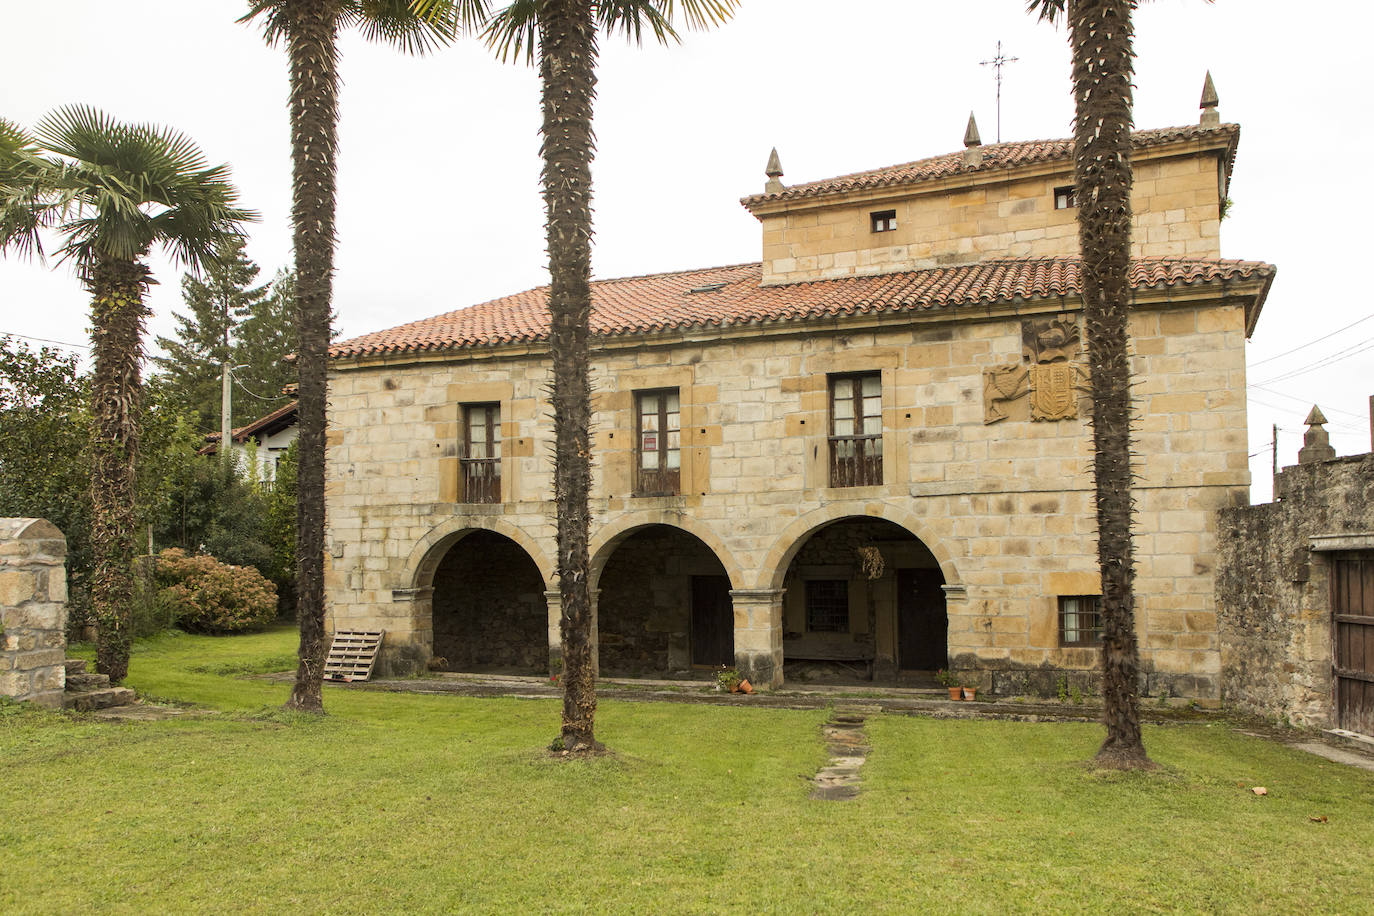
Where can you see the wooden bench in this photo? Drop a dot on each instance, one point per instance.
(820, 649)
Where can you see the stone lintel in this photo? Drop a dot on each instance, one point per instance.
(1363, 540)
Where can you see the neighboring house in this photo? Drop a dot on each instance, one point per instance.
(259, 446)
(869, 452)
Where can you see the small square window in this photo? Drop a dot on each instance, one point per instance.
(827, 606)
(1080, 620)
(883, 220)
(1065, 198)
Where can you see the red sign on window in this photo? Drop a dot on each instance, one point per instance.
(650, 442)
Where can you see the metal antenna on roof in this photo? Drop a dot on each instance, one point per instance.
(997, 63)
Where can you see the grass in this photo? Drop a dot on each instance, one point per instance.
(414, 803)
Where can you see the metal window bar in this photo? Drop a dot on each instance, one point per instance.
(480, 463)
(827, 606)
(1080, 620)
(856, 461)
(481, 480)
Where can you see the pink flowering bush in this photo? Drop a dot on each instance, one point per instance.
(202, 595)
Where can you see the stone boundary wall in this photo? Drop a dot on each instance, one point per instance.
(1273, 593)
(33, 611)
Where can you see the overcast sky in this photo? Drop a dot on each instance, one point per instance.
(438, 185)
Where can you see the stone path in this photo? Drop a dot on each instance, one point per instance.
(848, 745)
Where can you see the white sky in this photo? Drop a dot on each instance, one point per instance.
(439, 176)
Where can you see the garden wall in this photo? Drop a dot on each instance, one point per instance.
(33, 611)
(1273, 591)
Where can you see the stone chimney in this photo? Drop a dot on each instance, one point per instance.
(1316, 442)
(973, 144)
(1210, 116)
(773, 170)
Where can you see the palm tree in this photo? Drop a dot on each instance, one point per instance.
(112, 191)
(565, 33)
(1100, 37)
(310, 30)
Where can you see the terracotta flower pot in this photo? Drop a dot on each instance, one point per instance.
(956, 693)
(970, 692)
(745, 686)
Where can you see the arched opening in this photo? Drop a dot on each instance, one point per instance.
(863, 601)
(664, 606)
(489, 610)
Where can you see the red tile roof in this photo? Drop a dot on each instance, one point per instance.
(995, 156)
(722, 296)
(275, 421)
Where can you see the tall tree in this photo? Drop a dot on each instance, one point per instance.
(565, 35)
(205, 338)
(310, 31)
(1100, 34)
(112, 191)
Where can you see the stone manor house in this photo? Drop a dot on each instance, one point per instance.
(866, 454)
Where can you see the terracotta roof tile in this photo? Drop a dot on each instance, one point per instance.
(278, 419)
(723, 296)
(995, 156)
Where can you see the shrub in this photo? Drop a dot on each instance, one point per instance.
(204, 595)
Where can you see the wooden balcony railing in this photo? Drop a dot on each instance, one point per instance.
(856, 461)
(481, 480)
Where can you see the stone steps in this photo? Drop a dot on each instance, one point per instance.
(87, 691)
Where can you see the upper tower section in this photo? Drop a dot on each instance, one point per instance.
(1004, 200)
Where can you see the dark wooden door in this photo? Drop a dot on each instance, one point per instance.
(922, 625)
(1352, 606)
(713, 621)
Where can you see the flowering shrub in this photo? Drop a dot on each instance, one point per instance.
(203, 595)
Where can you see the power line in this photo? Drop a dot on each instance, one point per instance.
(1339, 356)
(60, 343)
(1357, 416)
(1352, 324)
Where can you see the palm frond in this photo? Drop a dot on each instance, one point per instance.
(513, 32)
(1046, 10)
(271, 15)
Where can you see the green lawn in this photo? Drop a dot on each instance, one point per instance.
(408, 803)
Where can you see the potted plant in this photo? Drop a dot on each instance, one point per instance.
(727, 680)
(950, 680)
(969, 692)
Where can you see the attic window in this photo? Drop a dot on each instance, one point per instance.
(883, 220)
(1065, 198)
(707, 288)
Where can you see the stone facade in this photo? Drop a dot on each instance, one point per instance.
(33, 611)
(978, 411)
(1274, 593)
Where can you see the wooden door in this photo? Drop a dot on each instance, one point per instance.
(713, 622)
(922, 625)
(1352, 607)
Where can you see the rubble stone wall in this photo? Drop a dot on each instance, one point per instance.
(33, 611)
(1273, 593)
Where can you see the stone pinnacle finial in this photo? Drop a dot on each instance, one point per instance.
(973, 144)
(1316, 442)
(774, 171)
(971, 137)
(1210, 116)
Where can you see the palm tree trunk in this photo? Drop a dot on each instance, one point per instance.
(311, 43)
(1100, 34)
(567, 67)
(117, 313)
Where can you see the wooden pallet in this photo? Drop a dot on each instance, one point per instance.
(352, 655)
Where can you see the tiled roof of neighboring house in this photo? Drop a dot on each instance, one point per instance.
(275, 421)
(995, 156)
(722, 296)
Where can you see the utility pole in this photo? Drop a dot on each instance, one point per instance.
(226, 411)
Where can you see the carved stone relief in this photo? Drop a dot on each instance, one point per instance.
(1053, 380)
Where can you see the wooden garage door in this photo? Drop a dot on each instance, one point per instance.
(1352, 605)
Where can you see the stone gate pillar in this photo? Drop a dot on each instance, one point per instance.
(33, 611)
(758, 635)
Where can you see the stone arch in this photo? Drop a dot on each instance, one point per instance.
(605, 541)
(773, 570)
(427, 554)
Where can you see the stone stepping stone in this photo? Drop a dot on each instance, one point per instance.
(844, 735)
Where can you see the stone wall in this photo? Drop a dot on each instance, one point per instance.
(33, 611)
(1175, 202)
(1004, 507)
(1273, 594)
(644, 609)
(489, 611)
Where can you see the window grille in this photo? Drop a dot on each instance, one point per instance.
(827, 606)
(1080, 620)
